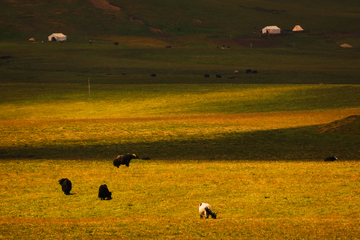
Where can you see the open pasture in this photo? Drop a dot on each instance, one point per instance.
(107, 64)
(172, 122)
(50, 128)
(159, 199)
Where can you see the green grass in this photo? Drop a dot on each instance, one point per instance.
(81, 21)
(68, 101)
(60, 121)
(103, 63)
(159, 199)
(248, 144)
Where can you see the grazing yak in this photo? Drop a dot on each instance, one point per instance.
(206, 76)
(205, 210)
(104, 192)
(66, 185)
(124, 159)
(248, 71)
(330, 159)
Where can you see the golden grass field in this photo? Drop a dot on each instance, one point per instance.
(255, 153)
(159, 200)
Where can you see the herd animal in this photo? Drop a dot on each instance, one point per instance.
(65, 185)
(104, 192)
(205, 210)
(124, 159)
(235, 72)
(330, 159)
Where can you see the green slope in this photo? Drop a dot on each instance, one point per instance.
(80, 19)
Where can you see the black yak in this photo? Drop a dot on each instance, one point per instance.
(66, 185)
(124, 159)
(248, 71)
(330, 159)
(104, 192)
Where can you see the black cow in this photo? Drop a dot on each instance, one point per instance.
(218, 76)
(124, 159)
(330, 159)
(153, 75)
(254, 71)
(248, 71)
(66, 185)
(206, 76)
(104, 193)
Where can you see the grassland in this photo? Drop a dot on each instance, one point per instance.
(177, 121)
(251, 145)
(201, 19)
(159, 199)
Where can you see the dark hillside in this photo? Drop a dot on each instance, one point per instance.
(102, 19)
(350, 125)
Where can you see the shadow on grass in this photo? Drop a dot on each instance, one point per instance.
(283, 144)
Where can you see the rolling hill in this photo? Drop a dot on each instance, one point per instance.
(174, 20)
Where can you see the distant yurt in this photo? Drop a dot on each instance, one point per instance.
(271, 30)
(57, 37)
(297, 28)
(345, 45)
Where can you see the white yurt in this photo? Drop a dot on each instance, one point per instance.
(297, 28)
(271, 30)
(57, 37)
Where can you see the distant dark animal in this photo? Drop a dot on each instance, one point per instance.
(330, 159)
(124, 159)
(116, 43)
(205, 210)
(123, 73)
(254, 71)
(153, 75)
(104, 192)
(248, 71)
(66, 185)
(146, 158)
(5, 57)
(218, 76)
(168, 46)
(206, 76)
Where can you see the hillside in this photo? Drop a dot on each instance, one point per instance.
(350, 125)
(102, 19)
